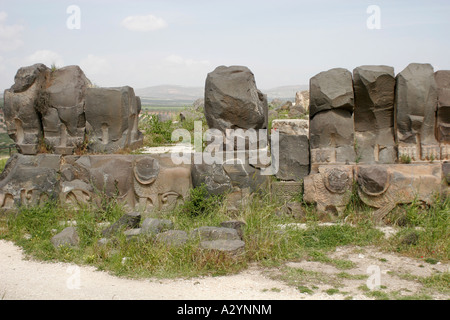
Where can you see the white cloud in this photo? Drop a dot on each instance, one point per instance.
(94, 65)
(144, 23)
(9, 34)
(46, 57)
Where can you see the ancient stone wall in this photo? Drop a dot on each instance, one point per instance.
(59, 111)
(382, 136)
(397, 128)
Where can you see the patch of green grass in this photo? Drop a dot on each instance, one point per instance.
(338, 263)
(429, 225)
(305, 289)
(266, 243)
(332, 291)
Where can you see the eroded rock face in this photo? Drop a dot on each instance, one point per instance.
(331, 138)
(330, 189)
(233, 101)
(331, 90)
(63, 116)
(293, 155)
(22, 118)
(416, 105)
(443, 112)
(374, 114)
(29, 180)
(47, 110)
(142, 183)
(331, 132)
(384, 187)
(112, 119)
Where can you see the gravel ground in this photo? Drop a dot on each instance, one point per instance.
(25, 279)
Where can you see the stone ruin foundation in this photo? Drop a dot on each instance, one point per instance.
(386, 135)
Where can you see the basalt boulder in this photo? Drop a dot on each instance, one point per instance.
(233, 101)
(374, 114)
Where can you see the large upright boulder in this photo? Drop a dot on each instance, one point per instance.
(63, 113)
(232, 100)
(374, 88)
(22, 118)
(415, 108)
(443, 112)
(331, 90)
(111, 116)
(331, 118)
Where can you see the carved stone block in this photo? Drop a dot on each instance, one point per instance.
(416, 100)
(330, 189)
(374, 114)
(112, 119)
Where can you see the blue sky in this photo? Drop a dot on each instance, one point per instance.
(284, 42)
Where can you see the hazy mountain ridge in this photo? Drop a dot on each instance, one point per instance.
(174, 92)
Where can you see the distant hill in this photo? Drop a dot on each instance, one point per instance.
(172, 94)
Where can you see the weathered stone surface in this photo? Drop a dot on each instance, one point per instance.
(415, 108)
(232, 170)
(63, 116)
(112, 119)
(293, 155)
(373, 180)
(22, 117)
(213, 176)
(152, 226)
(239, 226)
(127, 221)
(233, 247)
(142, 182)
(330, 189)
(383, 187)
(446, 171)
(286, 190)
(29, 180)
(159, 184)
(331, 133)
(292, 209)
(374, 88)
(67, 237)
(442, 78)
(331, 90)
(132, 234)
(233, 101)
(291, 126)
(302, 99)
(331, 138)
(173, 237)
(215, 233)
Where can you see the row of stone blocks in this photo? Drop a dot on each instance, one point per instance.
(60, 110)
(370, 117)
(146, 183)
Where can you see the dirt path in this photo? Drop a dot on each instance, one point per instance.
(29, 280)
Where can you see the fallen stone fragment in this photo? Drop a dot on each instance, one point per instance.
(67, 237)
(127, 221)
(172, 237)
(215, 233)
(152, 226)
(233, 247)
